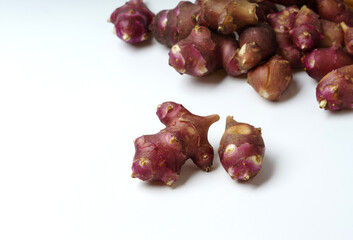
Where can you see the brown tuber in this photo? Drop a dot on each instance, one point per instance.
(227, 16)
(271, 79)
(348, 37)
(161, 156)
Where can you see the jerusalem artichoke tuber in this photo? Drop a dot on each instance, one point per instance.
(241, 150)
(131, 21)
(335, 91)
(161, 156)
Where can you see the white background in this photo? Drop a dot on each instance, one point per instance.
(73, 97)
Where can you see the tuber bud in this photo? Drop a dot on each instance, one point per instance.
(271, 79)
(321, 61)
(131, 21)
(348, 37)
(161, 156)
(241, 150)
(335, 91)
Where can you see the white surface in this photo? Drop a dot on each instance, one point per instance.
(72, 99)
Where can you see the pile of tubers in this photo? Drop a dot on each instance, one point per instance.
(263, 40)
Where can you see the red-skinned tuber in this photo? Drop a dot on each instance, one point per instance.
(171, 26)
(131, 21)
(282, 23)
(161, 156)
(203, 52)
(241, 150)
(306, 31)
(332, 32)
(321, 61)
(335, 10)
(335, 91)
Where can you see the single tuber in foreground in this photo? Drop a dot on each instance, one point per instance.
(241, 150)
(335, 91)
(161, 156)
(131, 21)
(271, 79)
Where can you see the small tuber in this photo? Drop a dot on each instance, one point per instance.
(271, 79)
(306, 31)
(241, 150)
(203, 52)
(335, 91)
(161, 156)
(321, 61)
(282, 23)
(171, 26)
(227, 16)
(257, 43)
(131, 21)
(335, 10)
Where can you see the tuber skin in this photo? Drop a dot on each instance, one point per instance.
(306, 31)
(171, 26)
(203, 52)
(321, 61)
(335, 91)
(264, 8)
(257, 44)
(131, 21)
(227, 16)
(335, 10)
(161, 156)
(298, 3)
(282, 23)
(241, 150)
(271, 79)
(332, 32)
(348, 37)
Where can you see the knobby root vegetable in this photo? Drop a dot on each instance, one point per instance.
(131, 21)
(306, 31)
(321, 61)
(161, 156)
(227, 16)
(171, 26)
(348, 37)
(241, 150)
(335, 91)
(257, 43)
(271, 79)
(203, 52)
(335, 10)
(282, 22)
(332, 32)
